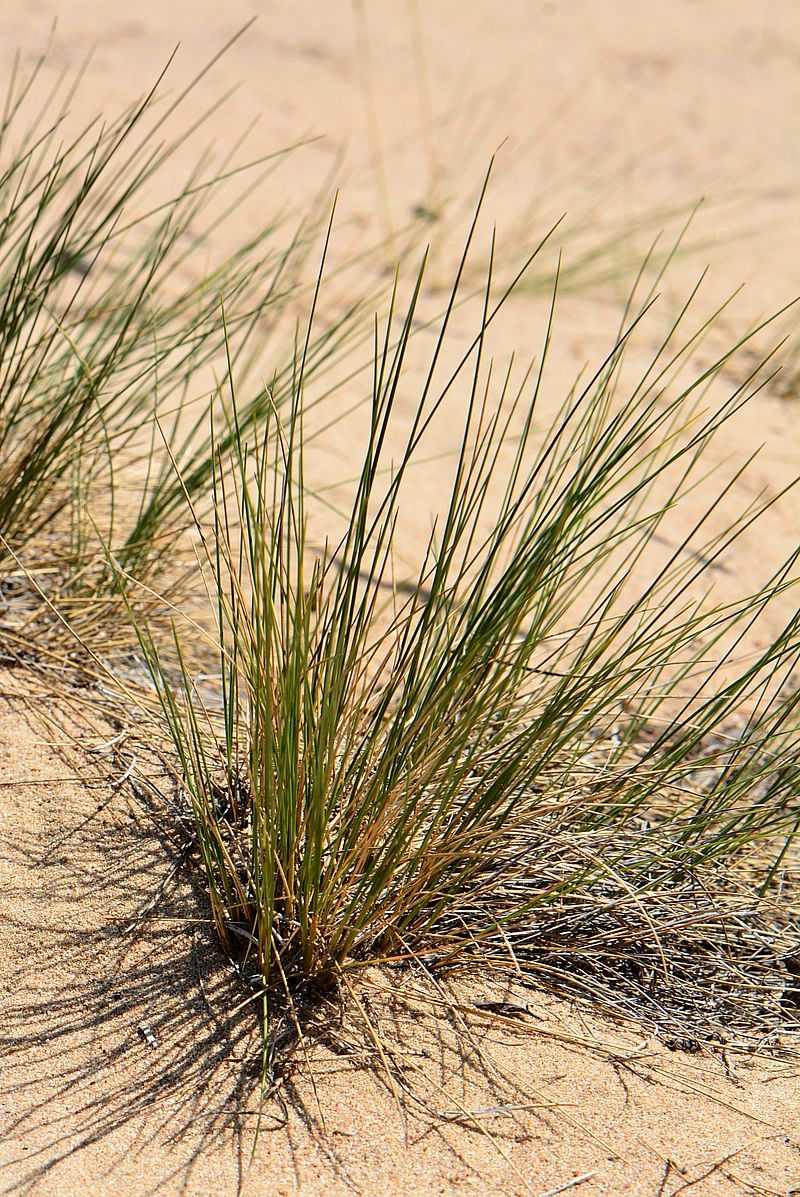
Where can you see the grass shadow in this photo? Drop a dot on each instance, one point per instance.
(125, 1033)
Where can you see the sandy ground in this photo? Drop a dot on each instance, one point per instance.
(617, 113)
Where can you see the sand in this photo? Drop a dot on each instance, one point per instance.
(121, 1072)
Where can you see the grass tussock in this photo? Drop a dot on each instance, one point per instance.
(542, 751)
(109, 331)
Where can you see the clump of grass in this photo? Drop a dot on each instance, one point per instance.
(541, 752)
(109, 334)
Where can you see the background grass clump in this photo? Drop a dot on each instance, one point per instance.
(111, 285)
(551, 749)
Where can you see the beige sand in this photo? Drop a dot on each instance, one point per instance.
(611, 109)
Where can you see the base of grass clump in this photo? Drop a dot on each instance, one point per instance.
(699, 956)
(522, 758)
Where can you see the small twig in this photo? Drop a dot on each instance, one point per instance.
(689, 1184)
(498, 1006)
(120, 781)
(494, 1111)
(570, 1184)
(107, 744)
(729, 1068)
